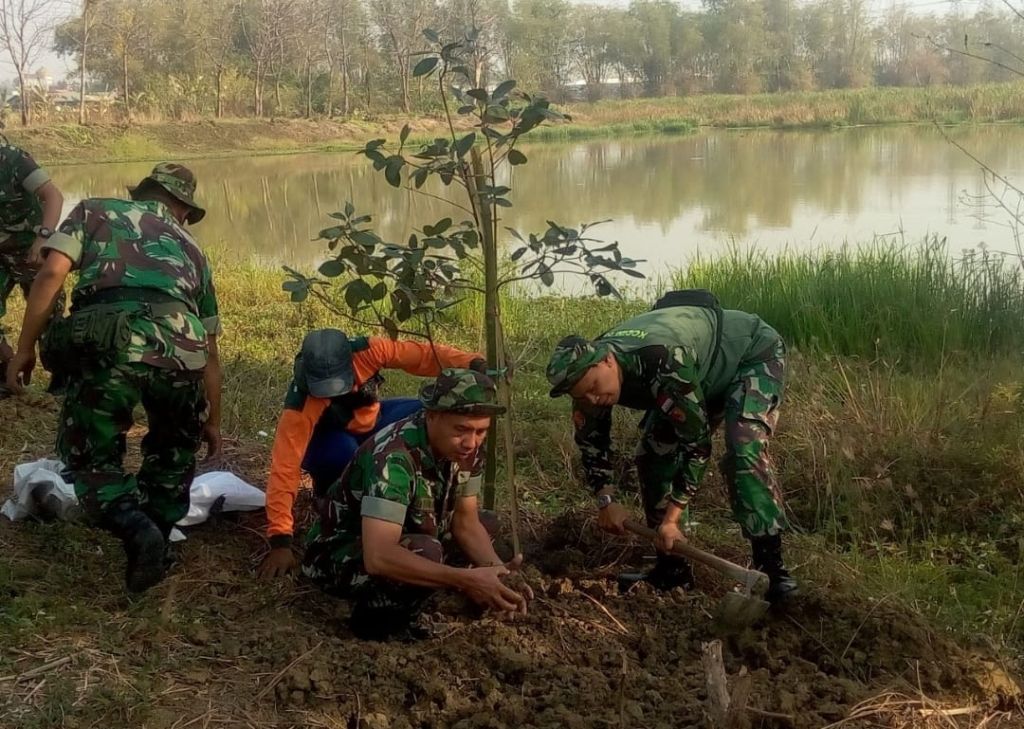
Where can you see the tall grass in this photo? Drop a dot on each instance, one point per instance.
(842, 107)
(887, 299)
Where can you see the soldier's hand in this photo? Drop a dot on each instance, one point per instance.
(516, 579)
(19, 370)
(485, 587)
(211, 436)
(668, 535)
(612, 518)
(280, 562)
(34, 257)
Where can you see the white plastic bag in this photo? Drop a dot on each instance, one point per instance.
(40, 491)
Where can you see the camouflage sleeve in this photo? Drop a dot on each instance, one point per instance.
(206, 303)
(678, 397)
(70, 237)
(593, 435)
(389, 492)
(27, 172)
(470, 481)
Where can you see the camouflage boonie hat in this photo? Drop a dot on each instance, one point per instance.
(461, 391)
(179, 181)
(573, 356)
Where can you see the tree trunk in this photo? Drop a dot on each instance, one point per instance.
(329, 103)
(24, 97)
(344, 76)
(403, 75)
(309, 89)
(81, 73)
(489, 248)
(220, 92)
(124, 81)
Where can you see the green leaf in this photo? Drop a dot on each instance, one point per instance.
(631, 272)
(519, 253)
(478, 94)
(357, 293)
(546, 277)
(463, 145)
(419, 177)
(393, 171)
(300, 295)
(442, 225)
(502, 202)
(431, 35)
(495, 114)
(332, 268)
(404, 134)
(502, 89)
(365, 238)
(515, 157)
(349, 209)
(515, 233)
(331, 233)
(468, 109)
(390, 327)
(425, 66)
(379, 291)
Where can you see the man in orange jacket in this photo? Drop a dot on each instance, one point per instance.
(331, 407)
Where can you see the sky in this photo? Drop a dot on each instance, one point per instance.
(60, 67)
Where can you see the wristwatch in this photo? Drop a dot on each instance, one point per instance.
(43, 232)
(604, 500)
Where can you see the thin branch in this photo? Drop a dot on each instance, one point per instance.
(977, 161)
(1013, 9)
(968, 54)
(438, 197)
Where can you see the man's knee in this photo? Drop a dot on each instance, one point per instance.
(424, 546)
(491, 522)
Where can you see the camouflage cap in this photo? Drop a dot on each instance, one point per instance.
(573, 356)
(176, 179)
(461, 391)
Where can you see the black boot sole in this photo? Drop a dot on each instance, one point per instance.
(146, 566)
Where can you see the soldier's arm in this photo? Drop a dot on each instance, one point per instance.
(679, 398)
(416, 358)
(593, 434)
(294, 431)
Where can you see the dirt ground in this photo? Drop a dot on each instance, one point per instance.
(214, 647)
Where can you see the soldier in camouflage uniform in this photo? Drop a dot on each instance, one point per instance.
(380, 534)
(690, 367)
(143, 329)
(30, 206)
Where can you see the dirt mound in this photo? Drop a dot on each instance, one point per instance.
(214, 646)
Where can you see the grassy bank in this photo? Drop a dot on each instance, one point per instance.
(819, 109)
(900, 446)
(902, 483)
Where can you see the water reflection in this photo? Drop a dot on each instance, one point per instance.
(668, 197)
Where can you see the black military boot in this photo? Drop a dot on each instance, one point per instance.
(768, 559)
(144, 545)
(668, 573)
(386, 622)
(171, 556)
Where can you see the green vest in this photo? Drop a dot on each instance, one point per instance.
(745, 339)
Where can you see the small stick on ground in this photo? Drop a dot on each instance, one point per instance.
(39, 670)
(606, 611)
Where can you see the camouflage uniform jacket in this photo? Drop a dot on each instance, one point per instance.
(395, 477)
(20, 209)
(138, 244)
(669, 368)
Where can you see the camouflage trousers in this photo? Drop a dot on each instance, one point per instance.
(96, 416)
(340, 572)
(15, 272)
(750, 412)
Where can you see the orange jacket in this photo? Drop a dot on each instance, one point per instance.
(295, 428)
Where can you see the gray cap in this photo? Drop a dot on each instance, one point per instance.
(324, 364)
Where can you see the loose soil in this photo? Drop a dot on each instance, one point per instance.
(212, 646)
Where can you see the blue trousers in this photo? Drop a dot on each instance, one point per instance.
(330, 450)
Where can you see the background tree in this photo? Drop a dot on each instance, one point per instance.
(25, 31)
